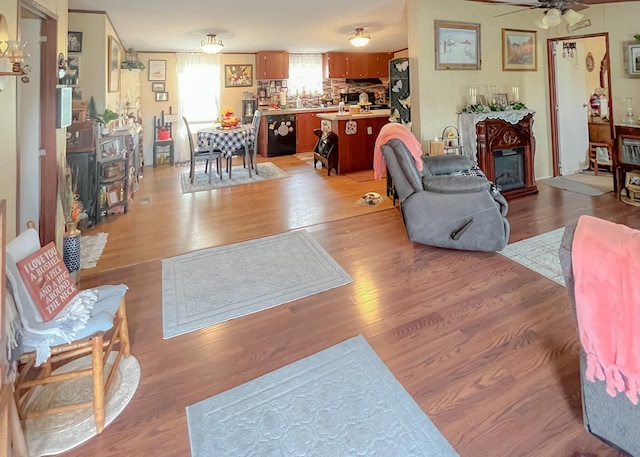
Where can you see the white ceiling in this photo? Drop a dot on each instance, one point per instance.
(254, 25)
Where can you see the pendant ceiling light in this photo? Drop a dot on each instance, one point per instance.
(554, 16)
(360, 39)
(212, 46)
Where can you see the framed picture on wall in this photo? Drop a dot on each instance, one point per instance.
(519, 50)
(632, 58)
(114, 65)
(238, 75)
(457, 45)
(157, 70)
(74, 41)
(162, 96)
(157, 87)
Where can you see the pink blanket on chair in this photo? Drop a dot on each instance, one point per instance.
(399, 131)
(606, 264)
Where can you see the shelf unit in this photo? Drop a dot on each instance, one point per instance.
(626, 157)
(116, 174)
(451, 139)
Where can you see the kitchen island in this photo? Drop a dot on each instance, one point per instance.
(357, 135)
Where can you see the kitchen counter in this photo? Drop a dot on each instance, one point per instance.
(346, 117)
(315, 109)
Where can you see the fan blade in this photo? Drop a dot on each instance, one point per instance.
(517, 11)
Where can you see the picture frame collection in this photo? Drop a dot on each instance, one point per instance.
(157, 75)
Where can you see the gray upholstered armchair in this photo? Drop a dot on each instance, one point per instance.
(615, 420)
(441, 207)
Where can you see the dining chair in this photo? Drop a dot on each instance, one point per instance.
(253, 146)
(93, 323)
(201, 153)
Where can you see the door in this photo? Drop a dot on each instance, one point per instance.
(572, 112)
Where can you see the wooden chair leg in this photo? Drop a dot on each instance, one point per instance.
(124, 329)
(97, 361)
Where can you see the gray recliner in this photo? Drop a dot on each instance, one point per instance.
(614, 420)
(442, 208)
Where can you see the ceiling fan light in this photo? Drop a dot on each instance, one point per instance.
(572, 17)
(360, 39)
(552, 18)
(541, 23)
(212, 45)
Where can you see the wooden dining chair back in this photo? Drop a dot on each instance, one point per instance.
(199, 153)
(93, 323)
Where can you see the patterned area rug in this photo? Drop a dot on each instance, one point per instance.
(539, 253)
(342, 401)
(206, 287)
(239, 174)
(57, 433)
(91, 248)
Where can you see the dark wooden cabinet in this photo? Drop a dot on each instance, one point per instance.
(356, 65)
(626, 154)
(272, 65)
(84, 172)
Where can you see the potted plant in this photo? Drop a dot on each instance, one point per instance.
(105, 118)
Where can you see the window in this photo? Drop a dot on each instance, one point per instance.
(199, 81)
(305, 74)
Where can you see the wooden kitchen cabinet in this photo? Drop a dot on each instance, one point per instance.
(335, 64)
(272, 65)
(305, 124)
(356, 65)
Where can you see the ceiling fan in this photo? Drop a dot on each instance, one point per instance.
(556, 10)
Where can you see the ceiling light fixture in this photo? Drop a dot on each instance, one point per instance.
(572, 17)
(212, 45)
(360, 39)
(553, 17)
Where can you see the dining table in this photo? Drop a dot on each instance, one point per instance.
(228, 140)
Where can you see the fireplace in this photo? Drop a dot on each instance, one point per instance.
(508, 165)
(505, 147)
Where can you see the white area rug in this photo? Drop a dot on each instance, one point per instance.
(239, 176)
(539, 253)
(342, 401)
(54, 434)
(91, 248)
(210, 286)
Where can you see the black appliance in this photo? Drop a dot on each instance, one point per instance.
(281, 135)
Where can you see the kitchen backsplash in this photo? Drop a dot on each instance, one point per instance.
(331, 89)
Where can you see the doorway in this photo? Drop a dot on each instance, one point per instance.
(36, 127)
(578, 68)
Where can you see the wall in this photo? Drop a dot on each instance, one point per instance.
(229, 97)
(440, 94)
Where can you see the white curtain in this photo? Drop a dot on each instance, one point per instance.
(305, 74)
(199, 81)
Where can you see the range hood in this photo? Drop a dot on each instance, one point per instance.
(364, 81)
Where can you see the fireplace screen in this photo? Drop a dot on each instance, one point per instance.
(509, 168)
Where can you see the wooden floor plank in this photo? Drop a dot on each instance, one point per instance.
(485, 346)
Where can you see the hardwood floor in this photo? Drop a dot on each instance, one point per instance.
(486, 347)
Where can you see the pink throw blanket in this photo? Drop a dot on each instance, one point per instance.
(388, 132)
(606, 263)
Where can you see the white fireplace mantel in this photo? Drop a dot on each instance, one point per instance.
(467, 126)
